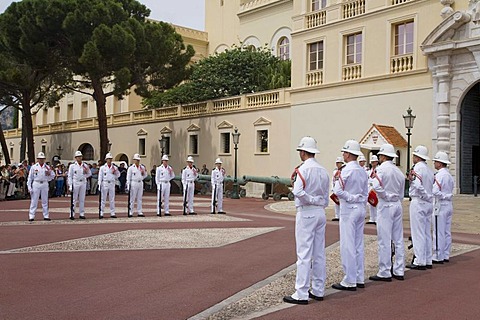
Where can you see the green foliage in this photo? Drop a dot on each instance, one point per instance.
(232, 72)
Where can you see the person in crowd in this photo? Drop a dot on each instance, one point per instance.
(94, 179)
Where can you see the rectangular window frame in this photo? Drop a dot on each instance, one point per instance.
(142, 144)
(353, 48)
(316, 5)
(314, 50)
(262, 147)
(193, 144)
(70, 112)
(225, 135)
(84, 110)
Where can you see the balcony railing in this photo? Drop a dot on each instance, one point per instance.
(395, 2)
(353, 9)
(351, 72)
(401, 63)
(315, 78)
(265, 99)
(316, 19)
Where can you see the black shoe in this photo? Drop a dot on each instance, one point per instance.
(30, 220)
(370, 222)
(335, 219)
(221, 212)
(437, 262)
(72, 218)
(47, 219)
(140, 215)
(377, 278)
(446, 260)
(185, 214)
(429, 266)
(314, 297)
(113, 217)
(415, 267)
(159, 215)
(83, 217)
(361, 285)
(130, 216)
(101, 217)
(289, 299)
(338, 286)
(213, 212)
(168, 215)
(193, 213)
(401, 278)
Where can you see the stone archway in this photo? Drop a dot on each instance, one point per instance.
(87, 151)
(121, 157)
(469, 139)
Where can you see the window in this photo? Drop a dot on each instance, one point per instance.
(45, 116)
(225, 142)
(70, 112)
(315, 57)
(193, 144)
(57, 114)
(284, 49)
(318, 4)
(353, 50)
(84, 113)
(117, 105)
(44, 149)
(166, 150)
(262, 141)
(404, 38)
(11, 154)
(141, 146)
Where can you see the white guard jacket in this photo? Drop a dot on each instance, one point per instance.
(352, 185)
(164, 174)
(443, 185)
(311, 185)
(78, 173)
(189, 174)
(136, 174)
(39, 174)
(217, 176)
(389, 182)
(421, 183)
(108, 174)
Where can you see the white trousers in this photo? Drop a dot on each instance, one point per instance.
(440, 232)
(448, 232)
(390, 228)
(337, 211)
(310, 245)
(217, 190)
(352, 222)
(189, 188)
(136, 194)
(163, 191)
(79, 190)
(108, 190)
(420, 225)
(38, 190)
(373, 213)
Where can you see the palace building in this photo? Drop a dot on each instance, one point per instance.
(357, 66)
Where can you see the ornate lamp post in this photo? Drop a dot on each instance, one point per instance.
(109, 145)
(409, 119)
(163, 144)
(236, 140)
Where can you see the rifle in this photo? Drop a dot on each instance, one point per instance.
(72, 205)
(393, 254)
(100, 202)
(160, 200)
(410, 246)
(436, 209)
(185, 200)
(214, 204)
(128, 209)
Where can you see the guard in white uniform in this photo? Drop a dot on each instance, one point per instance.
(217, 177)
(336, 173)
(389, 184)
(163, 176)
(38, 177)
(352, 190)
(78, 173)
(421, 209)
(310, 188)
(371, 174)
(135, 175)
(189, 175)
(443, 210)
(362, 161)
(107, 177)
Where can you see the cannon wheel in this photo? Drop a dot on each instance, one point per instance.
(264, 196)
(228, 194)
(243, 193)
(291, 197)
(277, 196)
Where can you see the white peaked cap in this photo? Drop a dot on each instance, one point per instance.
(78, 154)
(40, 155)
(353, 147)
(190, 159)
(164, 157)
(387, 150)
(218, 160)
(108, 156)
(136, 156)
(421, 152)
(308, 144)
(441, 157)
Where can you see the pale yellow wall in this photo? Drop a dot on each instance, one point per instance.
(221, 23)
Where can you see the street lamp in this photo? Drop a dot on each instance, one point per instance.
(163, 143)
(109, 145)
(409, 119)
(236, 140)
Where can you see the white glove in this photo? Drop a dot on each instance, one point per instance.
(70, 188)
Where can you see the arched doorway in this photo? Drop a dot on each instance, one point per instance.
(470, 139)
(122, 157)
(87, 151)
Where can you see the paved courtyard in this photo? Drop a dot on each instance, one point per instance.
(234, 266)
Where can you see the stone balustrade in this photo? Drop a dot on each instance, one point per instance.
(401, 63)
(353, 9)
(314, 78)
(351, 72)
(316, 19)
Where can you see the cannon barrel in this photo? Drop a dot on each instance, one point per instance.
(207, 178)
(269, 180)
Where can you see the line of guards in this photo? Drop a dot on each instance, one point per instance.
(78, 172)
(431, 197)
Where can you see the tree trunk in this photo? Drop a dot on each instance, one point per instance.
(28, 127)
(23, 139)
(101, 102)
(6, 155)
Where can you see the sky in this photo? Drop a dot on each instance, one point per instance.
(186, 13)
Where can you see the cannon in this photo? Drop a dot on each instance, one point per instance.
(275, 187)
(203, 179)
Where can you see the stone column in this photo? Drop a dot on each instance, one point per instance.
(443, 77)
